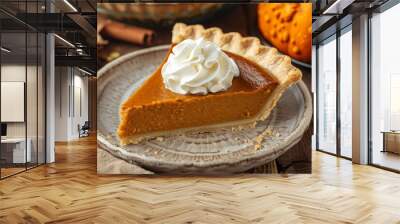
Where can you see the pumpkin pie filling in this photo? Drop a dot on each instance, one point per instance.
(153, 108)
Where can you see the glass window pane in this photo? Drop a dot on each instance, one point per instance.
(13, 86)
(385, 114)
(22, 84)
(346, 94)
(327, 96)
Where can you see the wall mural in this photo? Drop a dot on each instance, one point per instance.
(211, 97)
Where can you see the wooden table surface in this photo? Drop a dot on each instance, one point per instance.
(236, 18)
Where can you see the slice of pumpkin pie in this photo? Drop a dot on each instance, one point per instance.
(208, 80)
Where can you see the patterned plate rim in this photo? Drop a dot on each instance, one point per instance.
(291, 140)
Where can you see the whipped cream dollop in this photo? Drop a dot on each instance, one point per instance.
(198, 67)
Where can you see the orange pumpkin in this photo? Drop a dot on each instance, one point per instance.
(287, 26)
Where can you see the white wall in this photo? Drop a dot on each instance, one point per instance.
(12, 73)
(80, 103)
(33, 127)
(61, 104)
(70, 83)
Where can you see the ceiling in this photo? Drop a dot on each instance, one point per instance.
(39, 6)
(332, 15)
(72, 20)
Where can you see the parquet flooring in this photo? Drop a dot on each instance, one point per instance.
(7, 171)
(387, 159)
(70, 191)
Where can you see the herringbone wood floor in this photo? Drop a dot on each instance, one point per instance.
(70, 191)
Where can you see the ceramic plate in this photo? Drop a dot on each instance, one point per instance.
(220, 151)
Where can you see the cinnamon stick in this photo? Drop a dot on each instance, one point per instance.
(101, 23)
(128, 33)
